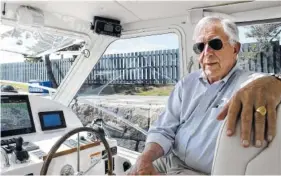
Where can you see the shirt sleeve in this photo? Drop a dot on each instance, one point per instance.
(164, 128)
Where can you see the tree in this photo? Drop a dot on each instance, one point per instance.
(48, 65)
(265, 33)
(266, 48)
(50, 73)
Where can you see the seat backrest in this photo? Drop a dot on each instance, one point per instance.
(232, 158)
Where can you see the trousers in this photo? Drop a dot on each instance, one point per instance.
(172, 165)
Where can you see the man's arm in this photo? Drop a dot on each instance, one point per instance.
(161, 135)
(144, 166)
(164, 129)
(152, 152)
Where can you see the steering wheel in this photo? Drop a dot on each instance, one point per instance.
(56, 146)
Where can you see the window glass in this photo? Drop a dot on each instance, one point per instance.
(129, 86)
(261, 47)
(37, 57)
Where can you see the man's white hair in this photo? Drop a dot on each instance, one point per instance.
(229, 28)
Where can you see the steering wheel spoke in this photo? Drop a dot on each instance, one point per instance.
(57, 145)
(78, 152)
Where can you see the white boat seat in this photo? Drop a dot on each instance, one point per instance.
(232, 158)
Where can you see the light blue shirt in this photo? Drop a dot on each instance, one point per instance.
(188, 126)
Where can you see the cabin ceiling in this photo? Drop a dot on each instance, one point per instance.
(35, 43)
(133, 10)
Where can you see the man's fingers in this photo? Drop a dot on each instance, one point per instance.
(259, 129)
(271, 121)
(246, 125)
(246, 119)
(147, 172)
(233, 112)
(224, 111)
(259, 120)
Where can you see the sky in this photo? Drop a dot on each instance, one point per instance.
(148, 43)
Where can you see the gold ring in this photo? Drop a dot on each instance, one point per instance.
(261, 110)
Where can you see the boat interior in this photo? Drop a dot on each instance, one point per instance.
(44, 134)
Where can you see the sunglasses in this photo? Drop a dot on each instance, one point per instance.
(215, 44)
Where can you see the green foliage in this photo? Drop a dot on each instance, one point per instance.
(265, 33)
(161, 91)
(33, 59)
(17, 86)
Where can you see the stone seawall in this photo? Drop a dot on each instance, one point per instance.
(140, 114)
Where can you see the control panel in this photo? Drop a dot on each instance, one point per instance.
(9, 145)
(16, 115)
(31, 125)
(39, 154)
(8, 141)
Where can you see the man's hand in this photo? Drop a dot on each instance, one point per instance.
(265, 91)
(143, 166)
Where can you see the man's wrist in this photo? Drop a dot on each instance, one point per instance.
(146, 157)
(149, 156)
(152, 151)
(277, 77)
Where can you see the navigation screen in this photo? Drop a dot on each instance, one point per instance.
(16, 117)
(51, 120)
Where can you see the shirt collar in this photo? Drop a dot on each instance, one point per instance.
(203, 78)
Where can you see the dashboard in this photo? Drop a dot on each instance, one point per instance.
(34, 118)
(33, 124)
(17, 118)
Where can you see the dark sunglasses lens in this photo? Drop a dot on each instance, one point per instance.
(198, 47)
(216, 44)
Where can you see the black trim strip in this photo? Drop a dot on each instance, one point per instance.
(245, 23)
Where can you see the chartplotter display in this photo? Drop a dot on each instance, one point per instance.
(16, 116)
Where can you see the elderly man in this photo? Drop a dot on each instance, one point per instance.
(183, 139)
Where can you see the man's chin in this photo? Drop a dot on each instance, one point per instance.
(212, 75)
(212, 72)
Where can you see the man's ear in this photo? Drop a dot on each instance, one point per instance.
(237, 48)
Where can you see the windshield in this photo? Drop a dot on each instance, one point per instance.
(129, 87)
(35, 60)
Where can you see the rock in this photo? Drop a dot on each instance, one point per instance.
(129, 144)
(135, 114)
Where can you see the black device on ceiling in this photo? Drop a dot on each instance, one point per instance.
(16, 116)
(106, 26)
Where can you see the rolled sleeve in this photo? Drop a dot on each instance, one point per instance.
(161, 140)
(164, 129)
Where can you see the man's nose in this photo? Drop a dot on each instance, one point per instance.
(207, 49)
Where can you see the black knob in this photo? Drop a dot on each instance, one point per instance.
(126, 166)
(82, 138)
(19, 142)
